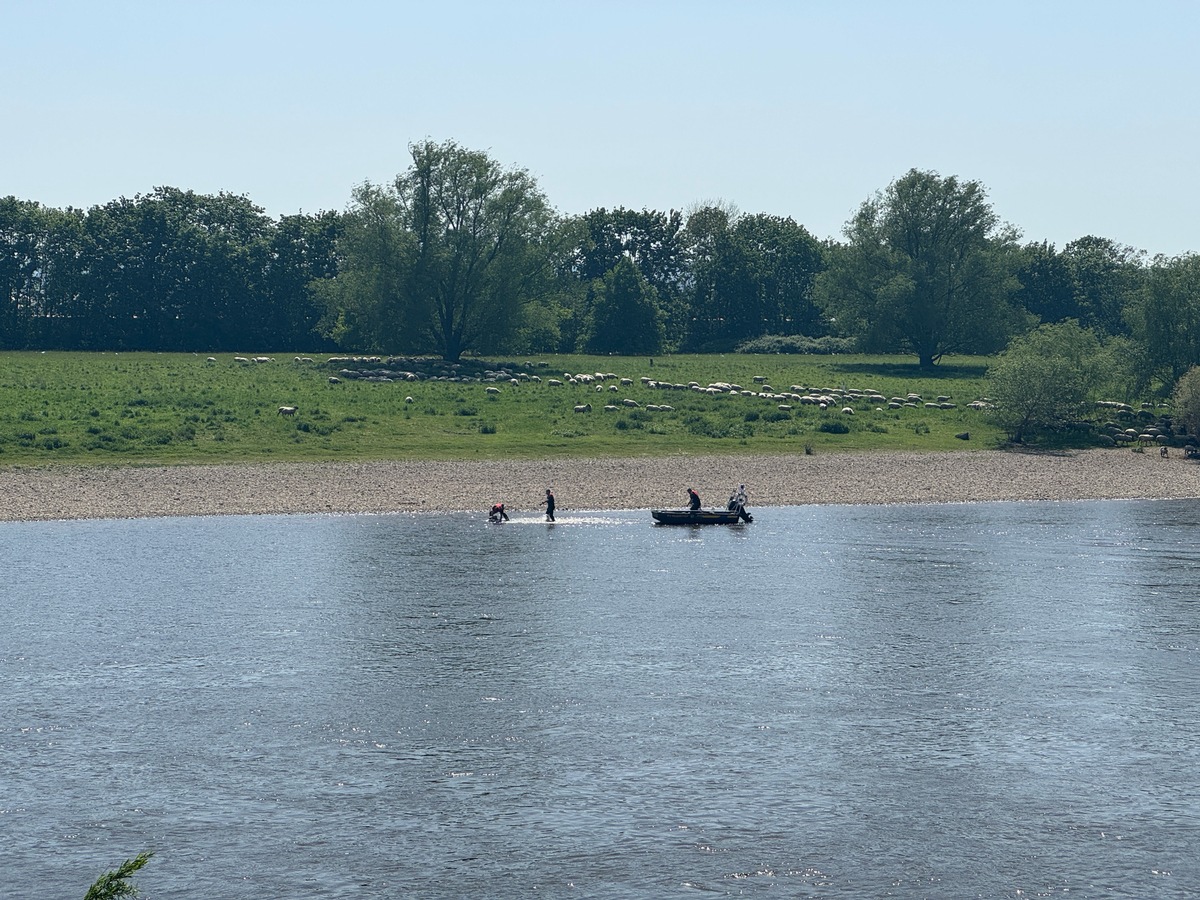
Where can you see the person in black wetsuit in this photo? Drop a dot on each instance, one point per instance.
(693, 500)
(497, 513)
(549, 504)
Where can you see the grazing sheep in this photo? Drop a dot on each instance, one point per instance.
(492, 390)
(847, 410)
(287, 410)
(585, 408)
(628, 402)
(408, 400)
(554, 382)
(211, 360)
(610, 408)
(241, 360)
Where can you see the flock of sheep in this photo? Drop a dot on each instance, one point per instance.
(1141, 427)
(845, 400)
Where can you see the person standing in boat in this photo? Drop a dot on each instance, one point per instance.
(693, 500)
(549, 504)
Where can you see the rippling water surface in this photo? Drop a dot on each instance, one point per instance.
(943, 701)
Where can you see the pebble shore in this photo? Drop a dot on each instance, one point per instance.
(102, 492)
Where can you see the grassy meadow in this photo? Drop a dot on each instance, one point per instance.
(164, 408)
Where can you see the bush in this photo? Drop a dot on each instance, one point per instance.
(833, 426)
(1187, 400)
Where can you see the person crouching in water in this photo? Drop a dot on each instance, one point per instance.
(497, 513)
(549, 504)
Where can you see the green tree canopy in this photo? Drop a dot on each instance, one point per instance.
(1041, 379)
(1164, 317)
(652, 240)
(927, 267)
(1047, 286)
(1186, 398)
(751, 275)
(1107, 277)
(624, 314)
(442, 259)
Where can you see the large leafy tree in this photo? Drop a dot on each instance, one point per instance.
(1047, 285)
(1164, 317)
(1107, 277)
(39, 257)
(1186, 398)
(299, 250)
(441, 259)
(624, 314)
(170, 270)
(926, 267)
(1041, 379)
(751, 275)
(652, 240)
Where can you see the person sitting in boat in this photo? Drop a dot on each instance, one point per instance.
(693, 500)
(497, 513)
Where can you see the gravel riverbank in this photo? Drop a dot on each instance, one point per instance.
(90, 492)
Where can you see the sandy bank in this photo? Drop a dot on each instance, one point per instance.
(80, 492)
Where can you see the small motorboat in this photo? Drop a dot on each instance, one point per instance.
(697, 516)
(734, 512)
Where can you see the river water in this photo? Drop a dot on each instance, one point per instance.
(977, 700)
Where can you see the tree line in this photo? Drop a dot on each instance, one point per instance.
(458, 254)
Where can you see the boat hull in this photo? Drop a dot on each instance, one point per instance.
(695, 517)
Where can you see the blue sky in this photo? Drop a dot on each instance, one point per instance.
(1078, 117)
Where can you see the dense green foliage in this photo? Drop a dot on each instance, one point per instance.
(1042, 380)
(442, 259)
(171, 270)
(458, 255)
(927, 266)
(1187, 400)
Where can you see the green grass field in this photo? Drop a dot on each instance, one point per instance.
(142, 408)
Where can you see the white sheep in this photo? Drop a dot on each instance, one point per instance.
(287, 410)
(585, 408)
(408, 400)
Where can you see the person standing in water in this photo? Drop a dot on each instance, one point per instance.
(549, 504)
